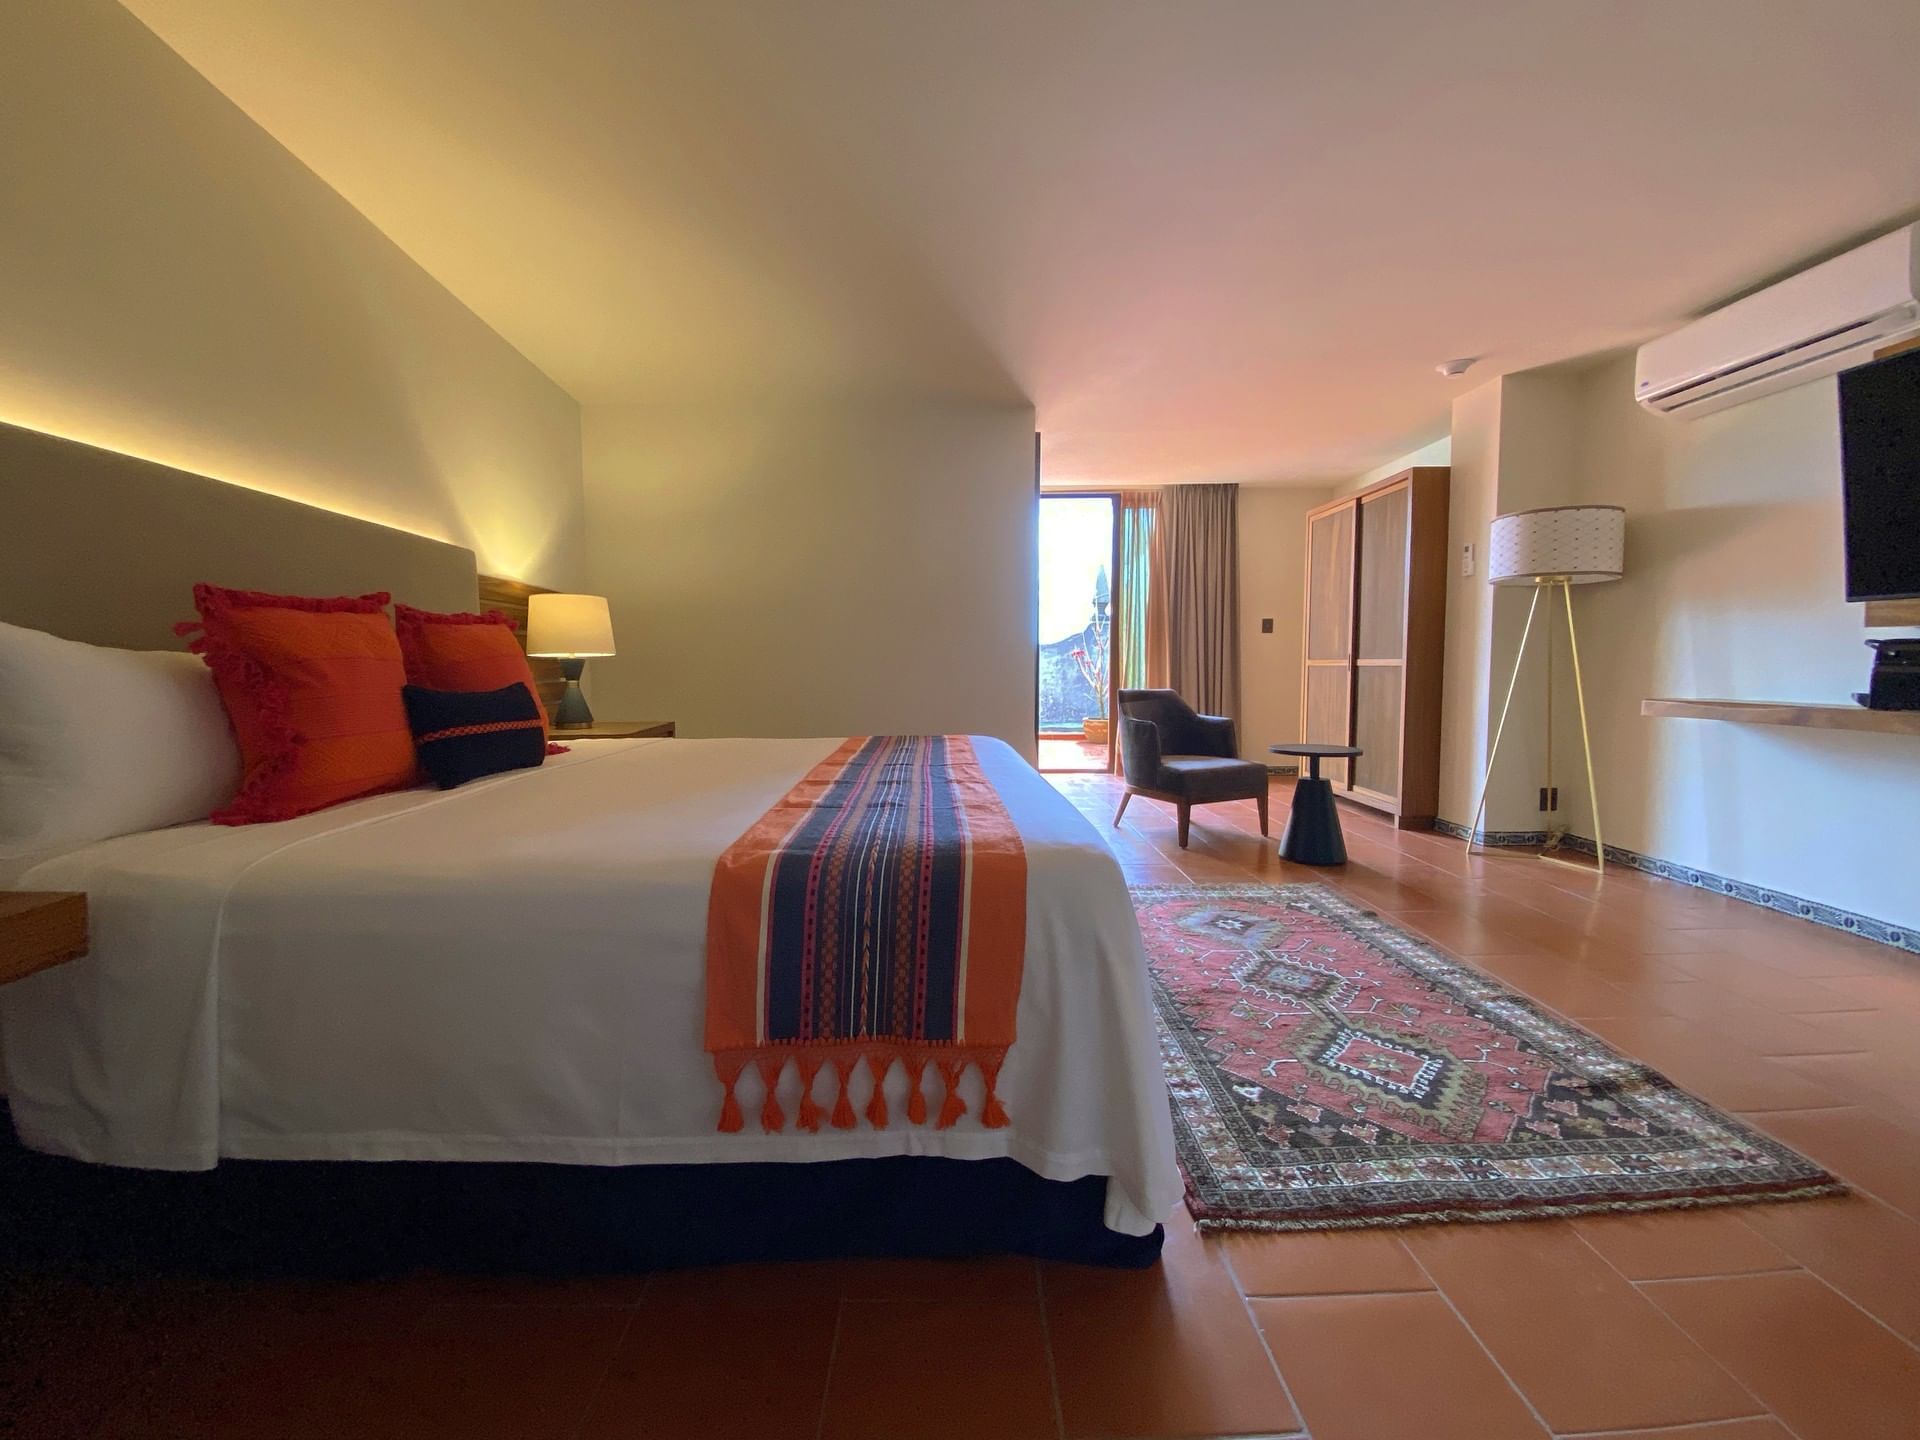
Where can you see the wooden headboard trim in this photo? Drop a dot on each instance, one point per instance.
(510, 598)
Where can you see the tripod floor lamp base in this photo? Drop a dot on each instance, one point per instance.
(1552, 550)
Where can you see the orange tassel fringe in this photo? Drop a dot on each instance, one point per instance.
(880, 1060)
(843, 1116)
(809, 1111)
(730, 1118)
(772, 1117)
(993, 1114)
(916, 1102)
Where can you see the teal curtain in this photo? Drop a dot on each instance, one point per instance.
(1132, 600)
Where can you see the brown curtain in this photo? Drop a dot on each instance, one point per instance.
(1196, 585)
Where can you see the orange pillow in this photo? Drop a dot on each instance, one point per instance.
(312, 688)
(464, 652)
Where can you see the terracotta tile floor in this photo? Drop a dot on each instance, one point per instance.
(1061, 752)
(1743, 1323)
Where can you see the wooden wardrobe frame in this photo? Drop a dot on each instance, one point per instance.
(1423, 639)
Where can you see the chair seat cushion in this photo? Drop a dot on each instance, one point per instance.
(1212, 777)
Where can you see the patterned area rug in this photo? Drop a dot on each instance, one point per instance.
(1329, 1070)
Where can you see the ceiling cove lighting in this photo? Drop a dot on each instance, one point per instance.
(193, 466)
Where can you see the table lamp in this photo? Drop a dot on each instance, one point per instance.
(1555, 548)
(570, 629)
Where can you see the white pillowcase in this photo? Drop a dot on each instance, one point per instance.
(97, 742)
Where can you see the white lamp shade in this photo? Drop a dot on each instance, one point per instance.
(1582, 544)
(569, 625)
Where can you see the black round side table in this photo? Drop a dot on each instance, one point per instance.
(1313, 824)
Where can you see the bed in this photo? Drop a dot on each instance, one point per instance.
(497, 990)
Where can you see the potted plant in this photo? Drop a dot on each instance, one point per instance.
(1093, 668)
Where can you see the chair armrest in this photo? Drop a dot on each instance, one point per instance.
(1140, 752)
(1218, 734)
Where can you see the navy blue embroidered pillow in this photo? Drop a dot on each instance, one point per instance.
(464, 734)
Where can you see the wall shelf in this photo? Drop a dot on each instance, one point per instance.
(1893, 612)
(1789, 712)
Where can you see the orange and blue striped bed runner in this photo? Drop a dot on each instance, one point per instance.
(877, 913)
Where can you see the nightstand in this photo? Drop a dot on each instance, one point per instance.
(616, 730)
(40, 929)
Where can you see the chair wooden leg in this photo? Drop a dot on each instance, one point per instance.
(1125, 796)
(1186, 813)
(1261, 801)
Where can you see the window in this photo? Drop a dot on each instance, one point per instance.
(1076, 627)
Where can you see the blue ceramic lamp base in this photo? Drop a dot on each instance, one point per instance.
(573, 712)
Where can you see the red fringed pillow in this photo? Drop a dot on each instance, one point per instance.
(312, 688)
(464, 652)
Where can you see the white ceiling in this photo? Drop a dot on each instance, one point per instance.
(1210, 239)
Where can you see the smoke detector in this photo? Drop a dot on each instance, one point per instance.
(1451, 368)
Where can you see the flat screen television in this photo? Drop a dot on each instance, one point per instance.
(1880, 477)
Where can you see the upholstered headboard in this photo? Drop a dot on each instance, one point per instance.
(106, 548)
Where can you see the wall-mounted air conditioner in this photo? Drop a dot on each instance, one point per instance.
(1816, 323)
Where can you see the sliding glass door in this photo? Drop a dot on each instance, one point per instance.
(1077, 546)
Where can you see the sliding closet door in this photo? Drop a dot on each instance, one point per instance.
(1375, 632)
(1380, 648)
(1327, 692)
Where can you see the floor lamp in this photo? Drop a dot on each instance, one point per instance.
(1553, 549)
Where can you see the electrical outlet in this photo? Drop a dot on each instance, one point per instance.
(1266, 627)
(1549, 798)
(1466, 558)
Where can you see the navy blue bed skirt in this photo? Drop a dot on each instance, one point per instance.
(353, 1218)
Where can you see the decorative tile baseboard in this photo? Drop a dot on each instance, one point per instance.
(1496, 838)
(1900, 937)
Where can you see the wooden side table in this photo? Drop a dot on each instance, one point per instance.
(40, 929)
(615, 730)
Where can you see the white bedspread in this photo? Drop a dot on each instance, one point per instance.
(515, 971)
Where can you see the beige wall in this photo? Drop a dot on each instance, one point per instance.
(1465, 725)
(1734, 590)
(1273, 529)
(1515, 446)
(1437, 452)
(176, 285)
(1537, 465)
(817, 568)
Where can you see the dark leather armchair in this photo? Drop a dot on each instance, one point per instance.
(1169, 751)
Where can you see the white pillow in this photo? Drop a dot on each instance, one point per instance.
(97, 742)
